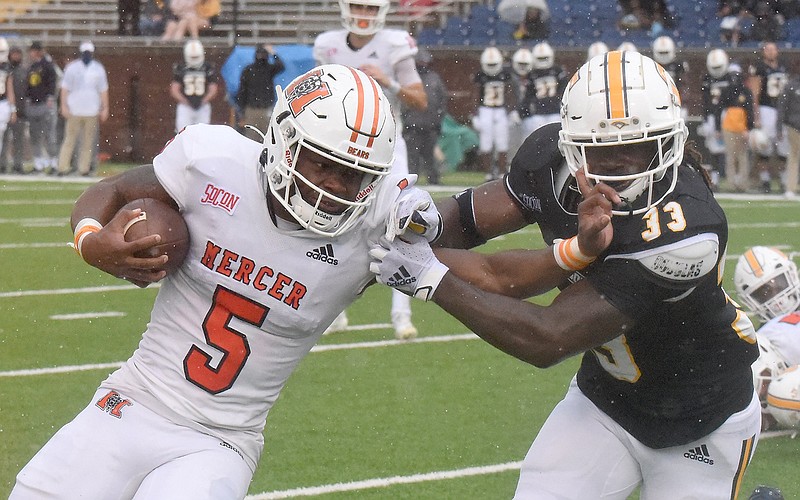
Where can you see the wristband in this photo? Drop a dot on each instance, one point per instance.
(568, 255)
(84, 228)
(394, 87)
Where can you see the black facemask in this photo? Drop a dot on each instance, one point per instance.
(87, 56)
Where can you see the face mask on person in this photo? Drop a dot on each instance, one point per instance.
(87, 56)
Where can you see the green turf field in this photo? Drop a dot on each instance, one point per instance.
(446, 416)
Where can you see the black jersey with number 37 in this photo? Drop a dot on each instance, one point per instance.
(684, 367)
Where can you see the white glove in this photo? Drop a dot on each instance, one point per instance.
(414, 209)
(514, 117)
(410, 268)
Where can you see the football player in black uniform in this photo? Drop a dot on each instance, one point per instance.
(715, 83)
(194, 85)
(664, 397)
(546, 84)
(493, 83)
(767, 79)
(664, 54)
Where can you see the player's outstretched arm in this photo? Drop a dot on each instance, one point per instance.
(99, 226)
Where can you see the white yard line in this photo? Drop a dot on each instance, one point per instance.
(88, 315)
(317, 348)
(69, 291)
(68, 201)
(383, 482)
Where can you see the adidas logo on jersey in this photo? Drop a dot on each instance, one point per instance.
(324, 254)
(374, 55)
(700, 454)
(401, 277)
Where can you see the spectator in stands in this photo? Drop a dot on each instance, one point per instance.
(256, 95)
(421, 128)
(736, 119)
(128, 11)
(767, 24)
(84, 105)
(789, 127)
(40, 108)
(190, 16)
(154, 18)
(645, 15)
(8, 106)
(536, 25)
(14, 137)
(194, 85)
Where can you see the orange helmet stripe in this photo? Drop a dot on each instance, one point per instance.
(360, 109)
(750, 257)
(615, 86)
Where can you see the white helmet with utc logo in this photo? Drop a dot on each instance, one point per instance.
(522, 61)
(342, 114)
(363, 24)
(767, 282)
(621, 98)
(543, 56)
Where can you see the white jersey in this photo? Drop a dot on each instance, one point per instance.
(386, 48)
(783, 332)
(250, 300)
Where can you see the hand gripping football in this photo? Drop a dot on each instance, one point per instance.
(159, 218)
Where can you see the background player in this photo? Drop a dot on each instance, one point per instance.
(767, 79)
(664, 385)
(493, 83)
(183, 418)
(547, 83)
(767, 282)
(665, 55)
(714, 85)
(194, 85)
(387, 55)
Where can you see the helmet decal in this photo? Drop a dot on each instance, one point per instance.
(305, 90)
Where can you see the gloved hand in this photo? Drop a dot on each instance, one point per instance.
(414, 210)
(410, 267)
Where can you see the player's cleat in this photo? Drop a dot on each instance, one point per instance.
(339, 324)
(403, 328)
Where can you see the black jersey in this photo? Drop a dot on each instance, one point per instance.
(677, 70)
(493, 89)
(712, 90)
(772, 82)
(194, 82)
(684, 367)
(543, 92)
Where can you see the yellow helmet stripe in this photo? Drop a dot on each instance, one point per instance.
(750, 257)
(783, 403)
(615, 86)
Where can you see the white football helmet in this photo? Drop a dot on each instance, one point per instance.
(759, 143)
(621, 98)
(596, 49)
(522, 61)
(769, 365)
(717, 63)
(4, 49)
(491, 61)
(342, 114)
(663, 50)
(361, 24)
(767, 282)
(543, 56)
(193, 53)
(627, 46)
(783, 399)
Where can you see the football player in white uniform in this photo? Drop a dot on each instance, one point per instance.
(767, 282)
(279, 246)
(663, 399)
(194, 85)
(387, 55)
(8, 106)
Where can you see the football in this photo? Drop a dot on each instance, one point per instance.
(159, 218)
